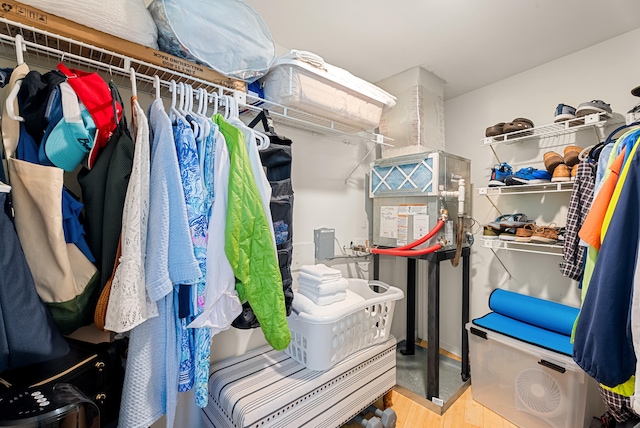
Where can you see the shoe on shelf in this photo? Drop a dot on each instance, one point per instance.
(499, 173)
(508, 235)
(518, 124)
(495, 130)
(564, 112)
(508, 220)
(561, 174)
(552, 160)
(489, 233)
(574, 170)
(545, 234)
(524, 233)
(528, 175)
(592, 107)
(571, 155)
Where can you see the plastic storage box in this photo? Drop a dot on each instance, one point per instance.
(320, 342)
(329, 92)
(528, 385)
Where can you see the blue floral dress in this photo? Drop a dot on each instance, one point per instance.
(198, 187)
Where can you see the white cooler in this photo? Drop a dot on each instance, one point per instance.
(528, 385)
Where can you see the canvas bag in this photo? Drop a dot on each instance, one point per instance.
(65, 279)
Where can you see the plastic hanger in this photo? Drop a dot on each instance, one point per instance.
(134, 86)
(173, 111)
(13, 94)
(156, 84)
(215, 101)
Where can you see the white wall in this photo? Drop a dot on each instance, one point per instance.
(606, 71)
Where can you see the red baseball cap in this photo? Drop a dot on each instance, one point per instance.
(96, 97)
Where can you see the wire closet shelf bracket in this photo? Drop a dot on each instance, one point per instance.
(45, 49)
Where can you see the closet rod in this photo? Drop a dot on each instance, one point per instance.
(46, 45)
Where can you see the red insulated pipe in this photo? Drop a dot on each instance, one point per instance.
(425, 238)
(406, 253)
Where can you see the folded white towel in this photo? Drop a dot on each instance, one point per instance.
(302, 303)
(321, 271)
(324, 288)
(310, 279)
(324, 300)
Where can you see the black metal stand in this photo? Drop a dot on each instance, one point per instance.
(433, 313)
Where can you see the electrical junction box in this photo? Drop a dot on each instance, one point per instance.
(409, 193)
(323, 239)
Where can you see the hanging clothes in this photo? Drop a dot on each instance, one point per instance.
(28, 335)
(579, 204)
(249, 243)
(129, 304)
(103, 192)
(603, 345)
(222, 304)
(195, 372)
(151, 379)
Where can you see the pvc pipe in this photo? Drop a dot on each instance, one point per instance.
(461, 197)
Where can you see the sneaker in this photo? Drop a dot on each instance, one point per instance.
(489, 233)
(499, 173)
(552, 160)
(564, 112)
(591, 107)
(528, 175)
(545, 234)
(561, 174)
(571, 155)
(524, 233)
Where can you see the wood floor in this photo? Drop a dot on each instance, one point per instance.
(464, 413)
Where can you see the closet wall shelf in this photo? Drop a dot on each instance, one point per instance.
(527, 189)
(594, 121)
(499, 244)
(46, 49)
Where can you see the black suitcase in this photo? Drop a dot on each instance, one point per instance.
(97, 370)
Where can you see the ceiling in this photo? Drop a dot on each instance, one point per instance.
(468, 43)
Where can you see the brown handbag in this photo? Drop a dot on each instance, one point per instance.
(100, 314)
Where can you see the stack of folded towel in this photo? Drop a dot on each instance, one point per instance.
(322, 284)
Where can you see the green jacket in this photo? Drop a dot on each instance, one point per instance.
(248, 243)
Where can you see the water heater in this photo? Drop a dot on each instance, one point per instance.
(409, 194)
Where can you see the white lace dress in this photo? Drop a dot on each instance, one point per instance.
(129, 304)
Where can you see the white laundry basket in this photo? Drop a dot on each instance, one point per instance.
(321, 341)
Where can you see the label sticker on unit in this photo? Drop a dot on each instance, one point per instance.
(420, 225)
(403, 228)
(389, 222)
(448, 232)
(412, 209)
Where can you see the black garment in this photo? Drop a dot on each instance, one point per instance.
(103, 191)
(277, 160)
(33, 98)
(28, 333)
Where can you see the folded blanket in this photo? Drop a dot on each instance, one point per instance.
(324, 288)
(321, 271)
(302, 303)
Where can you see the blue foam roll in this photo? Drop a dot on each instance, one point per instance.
(531, 310)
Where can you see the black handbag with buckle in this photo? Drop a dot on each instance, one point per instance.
(96, 369)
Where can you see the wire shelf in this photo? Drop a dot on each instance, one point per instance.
(592, 121)
(45, 49)
(526, 189)
(527, 247)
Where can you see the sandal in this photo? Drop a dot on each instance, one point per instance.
(506, 221)
(495, 130)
